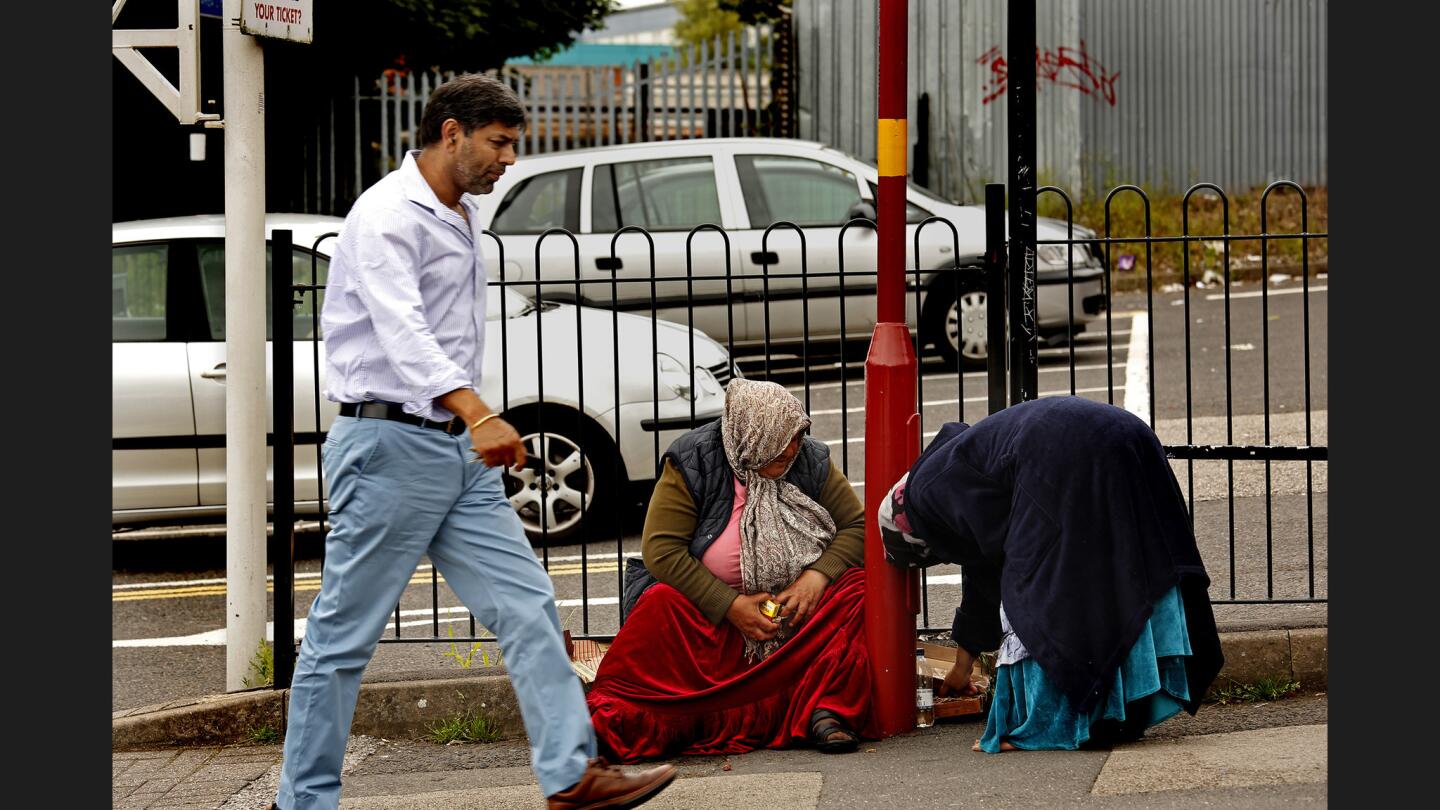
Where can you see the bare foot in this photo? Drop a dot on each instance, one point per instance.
(1004, 746)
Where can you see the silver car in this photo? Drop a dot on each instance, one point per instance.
(745, 287)
(622, 407)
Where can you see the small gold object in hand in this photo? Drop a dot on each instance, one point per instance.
(770, 608)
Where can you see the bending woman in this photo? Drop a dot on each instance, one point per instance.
(748, 509)
(1078, 564)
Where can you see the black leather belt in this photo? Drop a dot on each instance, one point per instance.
(393, 412)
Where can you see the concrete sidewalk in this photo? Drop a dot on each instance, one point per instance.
(193, 754)
(1236, 756)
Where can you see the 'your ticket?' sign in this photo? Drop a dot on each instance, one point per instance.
(279, 19)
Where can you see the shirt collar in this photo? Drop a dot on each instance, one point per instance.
(417, 189)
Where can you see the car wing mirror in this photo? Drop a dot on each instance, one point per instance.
(861, 210)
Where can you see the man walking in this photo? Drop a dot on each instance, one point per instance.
(404, 325)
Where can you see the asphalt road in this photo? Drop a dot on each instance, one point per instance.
(1261, 527)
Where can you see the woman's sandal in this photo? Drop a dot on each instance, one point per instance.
(824, 723)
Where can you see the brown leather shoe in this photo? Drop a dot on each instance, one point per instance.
(605, 785)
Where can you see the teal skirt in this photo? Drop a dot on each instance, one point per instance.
(1149, 687)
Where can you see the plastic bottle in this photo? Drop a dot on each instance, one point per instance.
(924, 694)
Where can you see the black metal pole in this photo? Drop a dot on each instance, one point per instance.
(995, 292)
(642, 103)
(1024, 337)
(282, 538)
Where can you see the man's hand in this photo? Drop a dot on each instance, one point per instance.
(957, 680)
(745, 614)
(803, 595)
(497, 444)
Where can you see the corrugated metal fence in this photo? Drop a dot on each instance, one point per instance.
(1160, 93)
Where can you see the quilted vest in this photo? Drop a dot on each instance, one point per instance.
(700, 457)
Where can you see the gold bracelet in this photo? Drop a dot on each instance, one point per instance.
(482, 420)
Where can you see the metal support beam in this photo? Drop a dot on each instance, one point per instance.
(245, 395)
(282, 374)
(892, 427)
(183, 102)
(1024, 335)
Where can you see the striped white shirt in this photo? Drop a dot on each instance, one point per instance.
(404, 316)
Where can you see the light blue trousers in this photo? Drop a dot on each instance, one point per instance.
(398, 492)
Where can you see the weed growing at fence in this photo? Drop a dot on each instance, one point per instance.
(467, 659)
(1263, 690)
(1206, 219)
(473, 727)
(262, 667)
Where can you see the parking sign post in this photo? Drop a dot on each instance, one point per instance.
(892, 433)
(245, 396)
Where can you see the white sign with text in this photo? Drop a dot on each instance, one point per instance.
(278, 19)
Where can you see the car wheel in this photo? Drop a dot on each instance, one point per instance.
(567, 482)
(957, 322)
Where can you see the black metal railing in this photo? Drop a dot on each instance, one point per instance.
(618, 415)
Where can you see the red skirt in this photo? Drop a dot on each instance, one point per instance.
(673, 683)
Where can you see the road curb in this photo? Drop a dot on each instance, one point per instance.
(408, 709)
(1300, 655)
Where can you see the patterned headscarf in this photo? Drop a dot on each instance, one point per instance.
(902, 547)
(782, 530)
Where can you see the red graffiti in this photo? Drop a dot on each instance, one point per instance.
(1066, 67)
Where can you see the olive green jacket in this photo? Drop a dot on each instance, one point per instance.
(670, 526)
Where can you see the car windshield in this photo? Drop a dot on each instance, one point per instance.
(516, 305)
(926, 193)
(871, 171)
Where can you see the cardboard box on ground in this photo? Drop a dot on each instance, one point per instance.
(939, 658)
(585, 656)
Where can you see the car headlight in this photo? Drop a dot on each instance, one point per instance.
(1060, 254)
(673, 375)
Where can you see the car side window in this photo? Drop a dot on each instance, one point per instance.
(798, 190)
(137, 292)
(913, 213)
(550, 200)
(210, 254)
(658, 195)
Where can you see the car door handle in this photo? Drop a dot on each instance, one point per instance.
(765, 257)
(611, 263)
(217, 373)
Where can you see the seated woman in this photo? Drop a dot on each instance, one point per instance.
(1078, 564)
(748, 509)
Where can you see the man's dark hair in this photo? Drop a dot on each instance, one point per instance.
(473, 100)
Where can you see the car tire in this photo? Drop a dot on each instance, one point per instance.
(568, 485)
(956, 319)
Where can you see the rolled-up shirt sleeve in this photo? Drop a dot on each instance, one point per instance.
(386, 279)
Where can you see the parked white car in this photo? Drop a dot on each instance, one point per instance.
(744, 185)
(168, 384)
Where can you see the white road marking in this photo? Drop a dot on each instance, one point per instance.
(986, 398)
(447, 615)
(1258, 293)
(300, 576)
(970, 375)
(1137, 369)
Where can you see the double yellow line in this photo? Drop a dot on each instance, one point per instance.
(313, 584)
